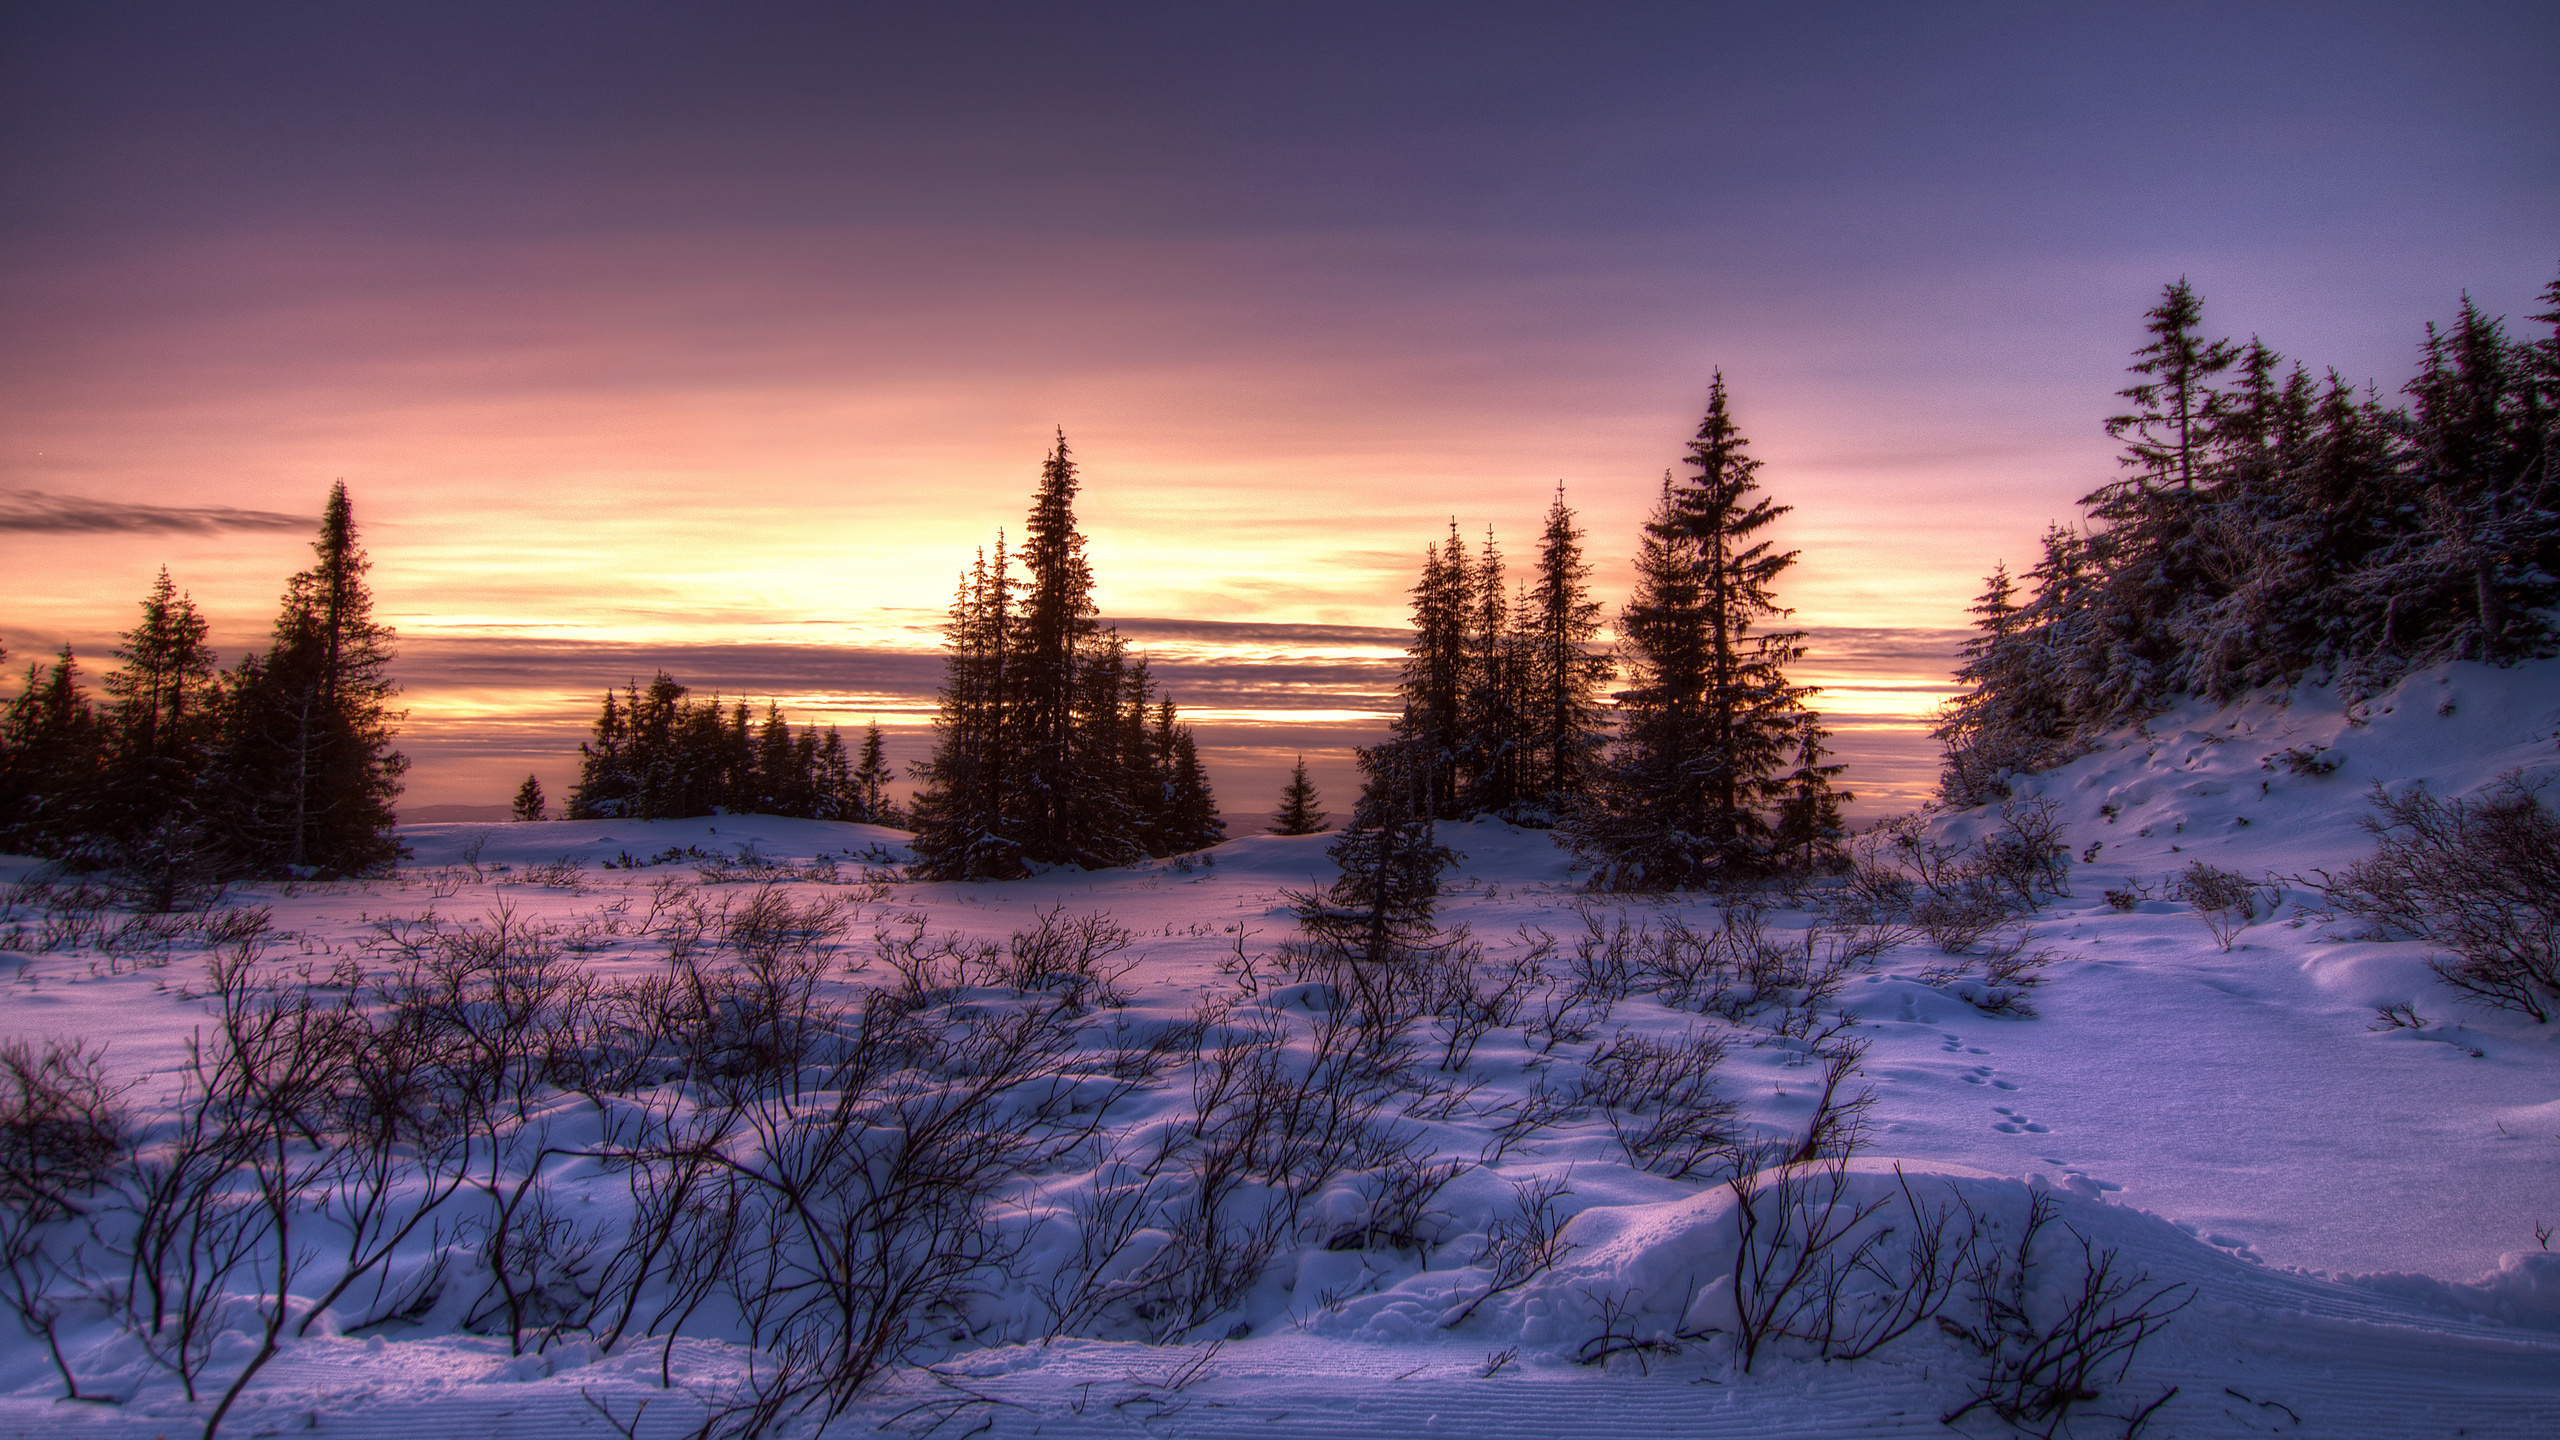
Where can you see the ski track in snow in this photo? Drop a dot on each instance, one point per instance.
(2349, 1203)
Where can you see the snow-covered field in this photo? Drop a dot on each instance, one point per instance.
(2347, 1213)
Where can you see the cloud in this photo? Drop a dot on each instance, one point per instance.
(36, 510)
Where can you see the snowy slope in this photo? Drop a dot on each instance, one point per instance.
(2353, 1208)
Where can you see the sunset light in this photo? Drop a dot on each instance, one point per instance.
(727, 719)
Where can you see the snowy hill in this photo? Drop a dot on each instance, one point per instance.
(2336, 1223)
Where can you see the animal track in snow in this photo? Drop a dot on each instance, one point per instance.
(2017, 1123)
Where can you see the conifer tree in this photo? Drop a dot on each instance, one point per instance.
(1113, 794)
(780, 771)
(2174, 410)
(49, 762)
(871, 780)
(1381, 907)
(1191, 812)
(1298, 814)
(1437, 665)
(961, 826)
(1566, 719)
(1810, 829)
(529, 804)
(1708, 722)
(308, 775)
(159, 742)
(1055, 632)
(606, 786)
(1495, 747)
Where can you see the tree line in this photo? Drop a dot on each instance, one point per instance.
(1705, 767)
(186, 774)
(1052, 743)
(657, 755)
(2272, 526)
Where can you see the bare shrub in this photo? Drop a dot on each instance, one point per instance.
(1398, 1205)
(63, 1135)
(559, 874)
(1074, 957)
(862, 1227)
(1957, 916)
(929, 968)
(2225, 900)
(1661, 1100)
(62, 1125)
(1520, 1248)
(2479, 877)
(2027, 853)
(2045, 1358)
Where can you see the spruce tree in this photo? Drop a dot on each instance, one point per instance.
(961, 825)
(606, 786)
(1298, 814)
(50, 759)
(1565, 716)
(1191, 812)
(529, 804)
(871, 780)
(1495, 749)
(1381, 907)
(1707, 724)
(1054, 632)
(307, 772)
(159, 744)
(1810, 829)
(1437, 665)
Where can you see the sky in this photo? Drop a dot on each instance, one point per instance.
(717, 337)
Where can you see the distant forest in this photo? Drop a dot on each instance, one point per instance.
(2270, 526)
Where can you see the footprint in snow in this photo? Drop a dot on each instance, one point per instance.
(2018, 1124)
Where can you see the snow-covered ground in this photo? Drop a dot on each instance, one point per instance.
(2355, 1208)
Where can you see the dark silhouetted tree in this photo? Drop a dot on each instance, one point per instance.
(1810, 830)
(1706, 726)
(871, 780)
(307, 774)
(49, 762)
(961, 825)
(1566, 718)
(1298, 814)
(1381, 907)
(529, 804)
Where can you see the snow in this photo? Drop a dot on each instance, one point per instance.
(2354, 1208)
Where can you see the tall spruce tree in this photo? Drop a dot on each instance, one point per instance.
(1191, 819)
(1298, 814)
(1437, 668)
(1707, 724)
(871, 780)
(1565, 716)
(1495, 752)
(1044, 750)
(961, 825)
(151, 820)
(307, 772)
(50, 756)
(1055, 632)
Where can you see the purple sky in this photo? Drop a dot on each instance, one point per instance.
(643, 332)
